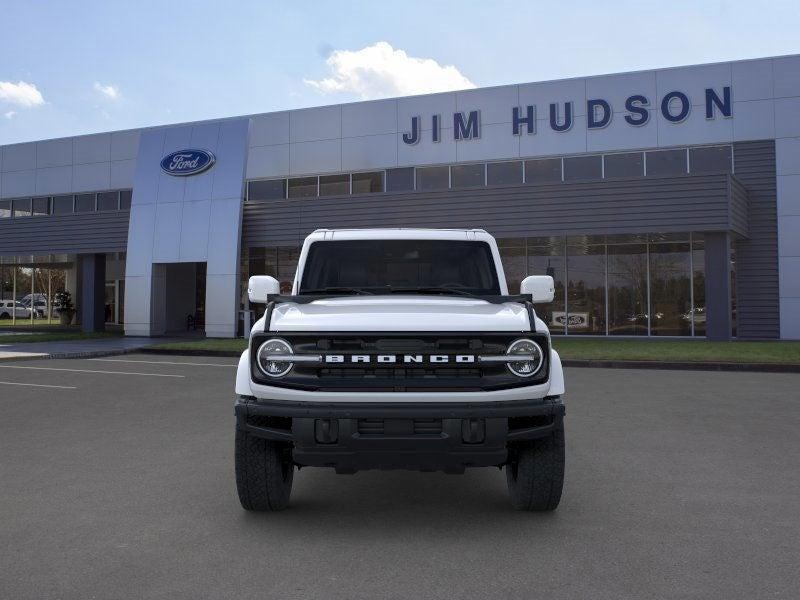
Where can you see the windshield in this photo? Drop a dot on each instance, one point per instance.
(397, 266)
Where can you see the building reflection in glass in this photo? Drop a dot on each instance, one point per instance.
(626, 285)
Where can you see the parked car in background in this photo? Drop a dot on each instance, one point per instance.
(39, 304)
(14, 308)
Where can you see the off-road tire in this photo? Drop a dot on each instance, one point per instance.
(535, 473)
(264, 473)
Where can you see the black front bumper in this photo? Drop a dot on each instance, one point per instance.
(417, 436)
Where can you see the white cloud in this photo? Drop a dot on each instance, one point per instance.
(20, 93)
(380, 71)
(10, 114)
(109, 91)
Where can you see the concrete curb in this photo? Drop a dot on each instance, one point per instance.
(217, 353)
(92, 353)
(61, 355)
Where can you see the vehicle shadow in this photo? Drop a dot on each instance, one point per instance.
(416, 503)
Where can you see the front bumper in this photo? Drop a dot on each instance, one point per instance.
(428, 436)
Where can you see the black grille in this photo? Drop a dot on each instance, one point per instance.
(405, 376)
(400, 373)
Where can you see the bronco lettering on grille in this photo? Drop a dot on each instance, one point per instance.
(398, 358)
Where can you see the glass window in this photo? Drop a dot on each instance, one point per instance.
(256, 262)
(125, 199)
(5, 209)
(84, 203)
(334, 185)
(546, 257)
(627, 289)
(579, 168)
(108, 201)
(111, 302)
(512, 253)
(714, 159)
(271, 189)
(586, 289)
(400, 180)
(504, 173)
(666, 162)
(670, 297)
(41, 206)
(368, 183)
(543, 171)
(387, 266)
(121, 296)
(630, 164)
(668, 237)
(286, 266)
(22, 207)
(699, 284)
(468, 175)
(62, 205)
(433, 178)
(303, 187)
(639, 238)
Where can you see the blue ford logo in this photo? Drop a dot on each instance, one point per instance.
(187, 162)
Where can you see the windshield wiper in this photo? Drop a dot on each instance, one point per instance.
(432, 290)
(337, 290)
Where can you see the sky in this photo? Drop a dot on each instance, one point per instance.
(85, 66)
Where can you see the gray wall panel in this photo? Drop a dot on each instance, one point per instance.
(75, 233)
(740, 207)
(758, 311)
(697, 203)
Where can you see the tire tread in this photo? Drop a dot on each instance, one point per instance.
(259, 473)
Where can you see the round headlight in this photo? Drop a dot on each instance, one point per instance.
(533, 357)
(273, 368)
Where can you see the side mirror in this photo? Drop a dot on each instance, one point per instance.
(540, 287)
(259, 287)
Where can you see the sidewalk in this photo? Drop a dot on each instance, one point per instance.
(77, 348)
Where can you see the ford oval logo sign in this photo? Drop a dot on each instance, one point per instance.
(187, 162)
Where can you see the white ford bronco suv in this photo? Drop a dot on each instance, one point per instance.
(400, 349)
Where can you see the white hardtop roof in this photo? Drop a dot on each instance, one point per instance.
(399, 233)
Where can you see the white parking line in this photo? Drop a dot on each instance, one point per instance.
(61, 387)
(161, 362)
(90, 371)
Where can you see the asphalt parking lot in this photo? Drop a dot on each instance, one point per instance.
(117, 482)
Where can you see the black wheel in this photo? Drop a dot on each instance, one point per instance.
(264, 473)
(5, 315)
(535, 473)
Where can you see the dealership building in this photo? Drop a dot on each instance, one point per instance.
(663, 203)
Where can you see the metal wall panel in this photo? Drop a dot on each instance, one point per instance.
(641, 205)
(58, 234)
(758, 310)
(740, 206)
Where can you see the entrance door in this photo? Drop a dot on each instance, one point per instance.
(179, 291)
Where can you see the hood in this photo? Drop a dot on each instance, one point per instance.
(400, 313)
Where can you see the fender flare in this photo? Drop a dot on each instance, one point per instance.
(556, 374)
(243, 375)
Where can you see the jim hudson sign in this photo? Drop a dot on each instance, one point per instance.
(674, 106)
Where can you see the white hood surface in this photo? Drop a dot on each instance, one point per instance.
(400, 313)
